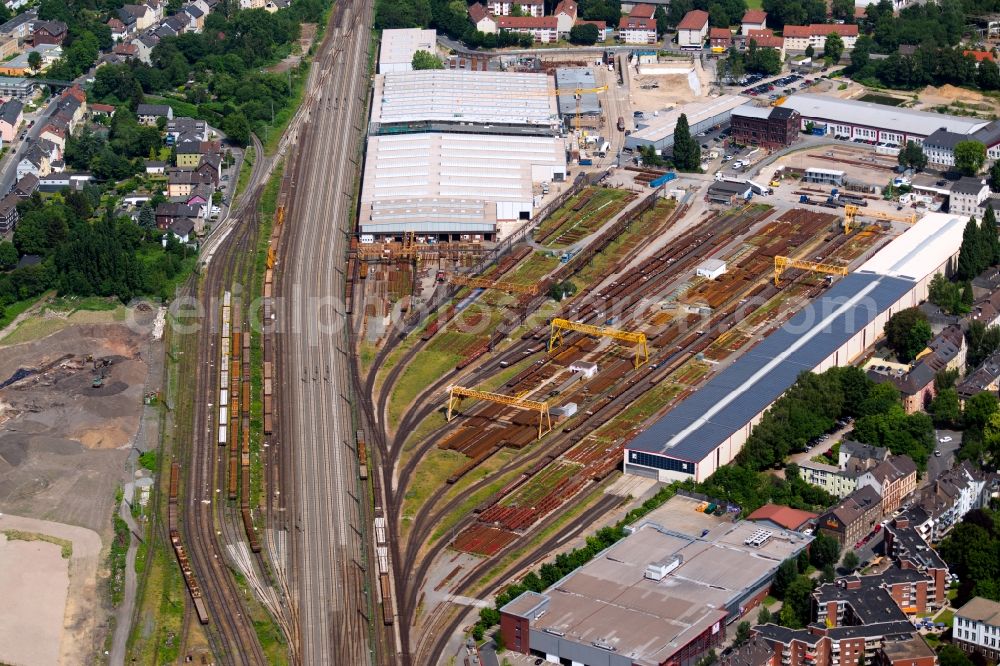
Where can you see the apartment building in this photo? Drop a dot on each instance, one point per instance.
(976, 628)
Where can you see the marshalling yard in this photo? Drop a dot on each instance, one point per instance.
(493, 417)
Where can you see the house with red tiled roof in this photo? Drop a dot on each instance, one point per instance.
(482, 19)
(800, 37)
(720, 38)
(980, 55)
(783, 517)
(754, 19)
(544, 29)
(637, 30)
(643, 11)
(693, 29)
(565, 13)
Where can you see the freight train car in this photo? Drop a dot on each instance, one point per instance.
(383, 582)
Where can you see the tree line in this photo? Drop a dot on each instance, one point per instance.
(972, 551)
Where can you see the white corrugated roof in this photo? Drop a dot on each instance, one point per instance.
(663, 126)
(920, 249)
(880, 116)
(399, 45)
(464, 96)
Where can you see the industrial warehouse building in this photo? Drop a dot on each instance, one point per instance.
(454, 186)
(578, 78)
(851, 119)
(464, 101)
(658, 596)
(768, 126)
(399, 45)
(658, 131)
(708, 429)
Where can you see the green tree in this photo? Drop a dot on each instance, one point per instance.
(861, 659)
(988, 75)
(764, 616)
(907, 333)
(810, 51)
(951, 655)
(833, 47)
(237, 127)
(34, 60)
(687, 153)
(843, 10)
(978, 410)
(742, 633)
(797, 603)
(989, 239)
(584, 33)
(850, 561)
(147, 217)
(945, 409)
(8, 255)
(783, 578)
(970, 254)
(824, 550)
(994, 179)
(426, 60)
(829, 574)
(982, 342)
(970, 156)
(912, 156)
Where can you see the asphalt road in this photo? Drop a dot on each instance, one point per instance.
(327, 541)
(938, 464)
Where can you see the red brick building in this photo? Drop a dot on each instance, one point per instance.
(767, 126)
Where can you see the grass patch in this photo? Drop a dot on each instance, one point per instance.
(463, 509)
(284, 116)
(246, 166)
(946, 616)
(116, 558)
(769, 600)
(65, 545)
(148, 460)
(434, 421)
(429, 475)
(12, 311)
(426, 368)
(535, 267)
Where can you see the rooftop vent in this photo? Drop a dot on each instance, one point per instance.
(659, 570)
(758, 538)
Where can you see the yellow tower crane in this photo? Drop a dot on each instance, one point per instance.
(486, 283)
(852, 212)
(577, 93)
(782, 264)
(638, 339)
(456, 393)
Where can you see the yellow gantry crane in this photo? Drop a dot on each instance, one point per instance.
(638, 339)
(852, 212)
(782, 264)
(577, 93)
(456, 393)
(486, 283)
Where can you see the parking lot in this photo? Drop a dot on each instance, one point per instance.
(775, 88)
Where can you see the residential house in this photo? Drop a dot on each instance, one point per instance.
(800, 37)
(59, 181)
(868, 455)
(57, 135)
(186, 129)
(987, 309)
(128, 22)
(9, 47)
(11, 117)
(145, 45)
(182, 230)
(48, 32)
(16, 88)
(947, 351)
(967, 196)
(566, 14)
(211, 166)
(842, 602)
(155, 168)
(20, 65)
(535, 8)
(893, 479)
(832, 479)
(755, 652)
(148, 114)
(168, 213)
(159, 8)
(143, 15)
(544, 29)
(196, 18)
(252, 4)
(979, 56)
(984, 378)
(8, 213)
(783, 517)
(939, 147)
(720, 39)
(71, 109)
(692, 29)
(26, 186)
(854, 517)
(637, 30)
(189, 153)
(19, 27)
(976, 628)
(272, 6)
(182, 182)
(126, 51)
(34, 161)
(754, 19)
(910, 551)
(604, 32)
(942, 503)
(118, 29)
(482, 19)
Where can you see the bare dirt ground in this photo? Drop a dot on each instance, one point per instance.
(931, 97)
(671, 89)
(49, 615)
(306, 38)
(64, 442)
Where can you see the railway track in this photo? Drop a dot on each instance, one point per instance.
(229, 630)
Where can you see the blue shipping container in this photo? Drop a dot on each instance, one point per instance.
(665, 178)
